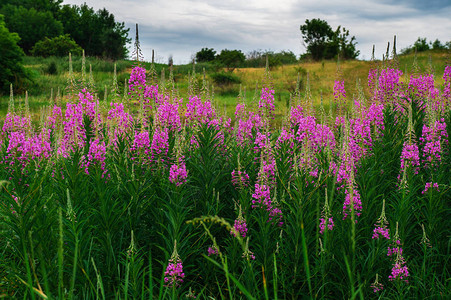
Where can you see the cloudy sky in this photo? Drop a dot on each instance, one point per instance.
(182, 27)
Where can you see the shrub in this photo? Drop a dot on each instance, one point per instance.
(52, 68)
(205, 55)
(224, 78)
(231, 59)
(57, 46)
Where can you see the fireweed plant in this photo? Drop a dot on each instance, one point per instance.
(179, 201)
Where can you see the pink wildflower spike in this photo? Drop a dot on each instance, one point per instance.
(381, 225)
(376, 285)
(240, 226)
(178, 173)
(174, 271)
(212, 251)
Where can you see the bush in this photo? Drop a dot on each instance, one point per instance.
(205, 55)
(52, 68)
(57, 46)
(224, 78)
(231, 59)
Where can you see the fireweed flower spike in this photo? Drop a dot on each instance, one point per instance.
(174, 271)
(240, 226)
(247, 254)
(326, 220)
(240, 179)
(381, 225)
(410, 156)
(212, 250)
(376, 285)
(399, 269)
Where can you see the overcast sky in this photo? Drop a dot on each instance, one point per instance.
(182, 27)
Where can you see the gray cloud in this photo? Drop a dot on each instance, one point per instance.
(182, 27)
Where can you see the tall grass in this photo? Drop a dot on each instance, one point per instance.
(96, 203)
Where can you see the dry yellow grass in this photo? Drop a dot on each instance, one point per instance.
(323, 74)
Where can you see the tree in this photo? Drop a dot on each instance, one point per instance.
(231, 59)
(437, 45)
(57, 46)
(346, 48)
(11, 68)
(421, 45)
(205, 55)
(317, 34)
(96, 32)
(31, 25)
(39, 5)
(324, 43)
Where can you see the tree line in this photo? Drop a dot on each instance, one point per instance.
(231, 59)
(46, 27)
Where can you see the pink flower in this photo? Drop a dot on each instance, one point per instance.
(174, 273)
(178, 174)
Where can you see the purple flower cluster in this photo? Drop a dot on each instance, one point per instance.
(96, 155)
(410, 156)
(199, 111)
(137, 81)
(432, 139)
(174, 273)
(160, 143)
(262, 199)
(178, 174)
(372, 81)
(141, 145)
(339, 94)
(212, 251)
(266, 103)
(399, 270)
(326, 222)
(354, 202)
(421, 87)
(14, 123)
(55, 118)
(119, 122)
(389, 86)
(377, 286)
(168, 115)
(240, 179)
(446, 95)
(428, 185)
(382, 230)
(240, 227)
(246, 125)
(24, 149)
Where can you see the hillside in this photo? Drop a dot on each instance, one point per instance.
(51, 75)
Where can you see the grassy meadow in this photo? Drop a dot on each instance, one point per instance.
(251, 190)
(322, 75)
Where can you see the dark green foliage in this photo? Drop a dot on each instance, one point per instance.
(324, 43)
(256, 59)
(96, 32)
(11, 68)
(39, 5)
(437, 45)
(205, 55)
(31, 25)
(421, 45)
(231, 59)
(52, 68)
(224, 78)
(58, 46)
